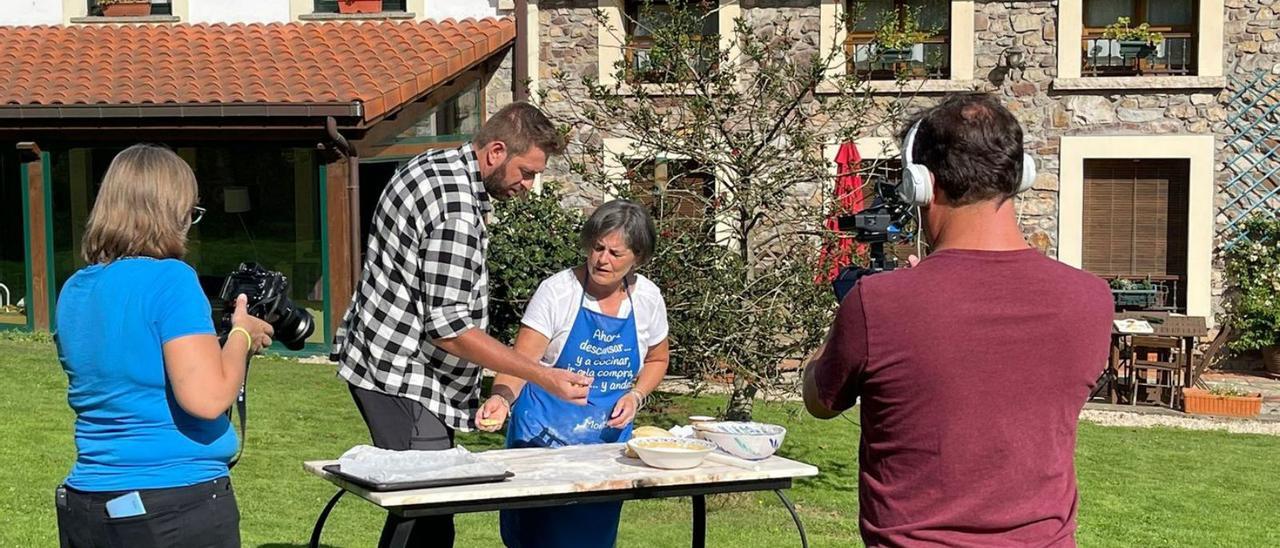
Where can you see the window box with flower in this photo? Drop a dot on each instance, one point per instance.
(125, 8)
(1138, 41)
(1253, 277)
(898, 36)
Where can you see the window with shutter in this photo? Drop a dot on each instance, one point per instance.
(678, 192)
(1135, 221)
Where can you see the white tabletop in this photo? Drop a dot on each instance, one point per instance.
(574, 469)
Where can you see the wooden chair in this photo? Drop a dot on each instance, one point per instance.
(1210, 355)
(1158, 357)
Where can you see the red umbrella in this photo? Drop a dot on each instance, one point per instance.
(849, 199)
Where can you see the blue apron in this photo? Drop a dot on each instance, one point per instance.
(604, 348)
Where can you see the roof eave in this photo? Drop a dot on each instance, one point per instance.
(158, 111)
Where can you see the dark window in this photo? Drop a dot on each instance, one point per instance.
(1135, 222)
(13, 251)
(263, 205)
(928, 59)
(678, 193)
(647, 63)
(158, 7)
(331, 6)
(1175, 20)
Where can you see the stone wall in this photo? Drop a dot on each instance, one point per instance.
(1251, 42)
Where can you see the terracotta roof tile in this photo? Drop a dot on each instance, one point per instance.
(380, 64)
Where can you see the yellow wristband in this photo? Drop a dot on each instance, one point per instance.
(248, 339)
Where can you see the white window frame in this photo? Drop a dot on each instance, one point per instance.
(832, 34)
(611, 34)
(1209, 70)
(74, 12)
(1198, 149)
(619, 149)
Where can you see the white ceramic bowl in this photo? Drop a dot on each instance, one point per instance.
(748, 440)
(671, 453)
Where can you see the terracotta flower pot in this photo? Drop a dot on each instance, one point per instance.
(359, 6)
(127, 9)
(1271, 359)
(1201, 402)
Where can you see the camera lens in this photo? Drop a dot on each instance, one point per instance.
(293, 326)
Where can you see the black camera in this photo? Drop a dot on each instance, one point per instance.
(268, 299)
(887, 220)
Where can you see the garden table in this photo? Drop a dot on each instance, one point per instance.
(1187, 329)
(577, 475)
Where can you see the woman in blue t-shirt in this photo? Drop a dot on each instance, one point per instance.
(146, 377)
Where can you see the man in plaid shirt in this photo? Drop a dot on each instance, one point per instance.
(412, 344)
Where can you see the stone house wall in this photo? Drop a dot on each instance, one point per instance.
(568, 43)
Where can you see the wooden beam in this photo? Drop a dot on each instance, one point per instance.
(41, 278)
(412, 113)
(341, 278)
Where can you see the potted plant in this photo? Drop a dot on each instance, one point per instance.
(359, 6)
(1137, 41)
(125, 8)
(1253, 297)
(1222, 400)
(1131, 294)
(896, 38)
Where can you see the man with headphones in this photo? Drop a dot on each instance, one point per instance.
(972, 365)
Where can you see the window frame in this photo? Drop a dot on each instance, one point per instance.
(315, 7)
(1209, 46)
(633, 43)
(611, 37)
(1187, 32)
(854, 38)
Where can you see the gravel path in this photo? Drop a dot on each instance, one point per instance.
(1235, 426)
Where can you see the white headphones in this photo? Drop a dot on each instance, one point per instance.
(917, 183)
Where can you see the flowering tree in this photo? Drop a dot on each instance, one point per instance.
(1253, 272)
(728, 146)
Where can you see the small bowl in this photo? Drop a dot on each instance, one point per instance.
(671, 453)
(747, 440)
(699, 419)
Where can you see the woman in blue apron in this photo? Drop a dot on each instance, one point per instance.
(602, 320)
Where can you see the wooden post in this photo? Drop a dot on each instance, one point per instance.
(341, 278)
(41, 278)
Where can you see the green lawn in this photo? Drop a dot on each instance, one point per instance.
(1139, 487)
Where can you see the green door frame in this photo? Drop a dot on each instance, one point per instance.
(47, 197)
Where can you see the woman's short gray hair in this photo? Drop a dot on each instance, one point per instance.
(626, 217)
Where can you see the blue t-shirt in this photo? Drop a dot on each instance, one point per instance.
(112, 322)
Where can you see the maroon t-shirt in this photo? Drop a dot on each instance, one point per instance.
(972, 368)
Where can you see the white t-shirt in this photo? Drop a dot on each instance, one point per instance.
(554, 307)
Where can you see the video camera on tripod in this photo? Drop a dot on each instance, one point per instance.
(889, 219)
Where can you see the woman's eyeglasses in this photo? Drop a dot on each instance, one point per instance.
(197, 213)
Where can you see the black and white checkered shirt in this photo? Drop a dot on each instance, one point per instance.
(424, 278)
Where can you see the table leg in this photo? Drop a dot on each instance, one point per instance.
(699, 521)
(1113, 373)
(804, 540)
(324, 515)
(400, 538)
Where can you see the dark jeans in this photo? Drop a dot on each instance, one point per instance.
(199, 516)
(399, 424)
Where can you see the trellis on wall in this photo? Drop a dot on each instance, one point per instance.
(1252, 153)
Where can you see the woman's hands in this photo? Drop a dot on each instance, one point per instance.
(625, 410)
(493, 413)
(260, 332)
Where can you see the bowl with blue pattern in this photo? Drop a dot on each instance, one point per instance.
(747, 440)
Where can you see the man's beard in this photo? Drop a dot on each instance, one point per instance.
(493, 183)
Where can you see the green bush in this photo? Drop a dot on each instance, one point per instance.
(530, 239)
(1253, 276)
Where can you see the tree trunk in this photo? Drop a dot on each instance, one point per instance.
(740, 400)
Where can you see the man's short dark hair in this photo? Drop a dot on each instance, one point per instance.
(521, 126)
(973, 146)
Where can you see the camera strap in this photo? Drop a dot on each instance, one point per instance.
(241, 407)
